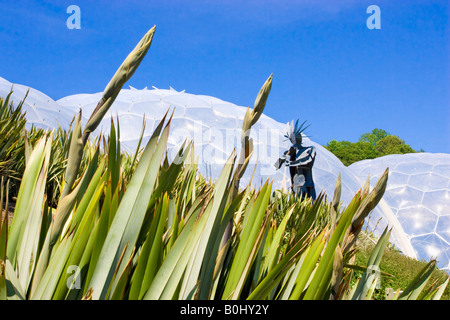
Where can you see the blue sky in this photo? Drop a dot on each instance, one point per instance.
(328, 67)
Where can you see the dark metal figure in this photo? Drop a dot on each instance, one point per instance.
(300, 161)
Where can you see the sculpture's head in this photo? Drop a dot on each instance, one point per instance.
(294, 133)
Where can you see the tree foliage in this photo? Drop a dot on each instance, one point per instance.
(374, 136)
(393, 145)
(370, 145)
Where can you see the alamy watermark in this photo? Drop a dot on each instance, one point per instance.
(74, 20)
(373, 277)
(374, 20)
(73, 281)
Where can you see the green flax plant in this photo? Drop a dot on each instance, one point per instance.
(159, 236)
(14, 155)
(150, 228)
(12, 131)
(78, 140)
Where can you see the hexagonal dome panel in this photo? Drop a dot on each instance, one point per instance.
(418, 194)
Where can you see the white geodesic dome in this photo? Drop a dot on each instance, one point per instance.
(418, 195)
(41, 110)
(215, 126)
(416, 203)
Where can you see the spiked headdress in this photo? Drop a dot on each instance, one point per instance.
(294, 133)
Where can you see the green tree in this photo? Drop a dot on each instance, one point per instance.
(374, 136)
(392, 145)
(349, 152)
(370, 145)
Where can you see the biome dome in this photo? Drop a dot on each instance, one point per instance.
(215, 126)
(41, 110)
(418, 194)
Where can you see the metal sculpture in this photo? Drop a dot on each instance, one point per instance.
(300, 160)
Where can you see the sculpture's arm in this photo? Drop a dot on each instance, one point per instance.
(279, 163)
(281, 160)
(305, 158)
